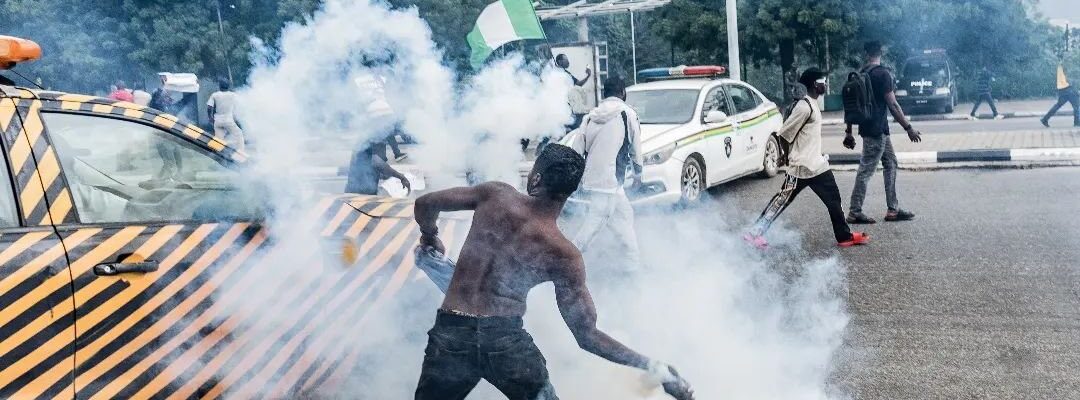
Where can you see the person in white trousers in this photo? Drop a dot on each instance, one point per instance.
(221, 108)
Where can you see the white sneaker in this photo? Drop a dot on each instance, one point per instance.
(973, 118)
(999, 117)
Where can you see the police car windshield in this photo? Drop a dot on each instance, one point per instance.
(665, 106)
(925, 68)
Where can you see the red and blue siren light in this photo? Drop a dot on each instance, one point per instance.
(682, 71)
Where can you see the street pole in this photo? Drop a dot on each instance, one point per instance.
(633, 44)
(221, 30)
(734, 64)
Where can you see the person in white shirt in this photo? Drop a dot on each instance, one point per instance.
(807, 167)
(221, 108)
(600, 221)
(140, 96)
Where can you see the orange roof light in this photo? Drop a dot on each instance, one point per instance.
(16, 50)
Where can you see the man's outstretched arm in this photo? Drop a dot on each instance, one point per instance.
(579, 312)
(428, 207)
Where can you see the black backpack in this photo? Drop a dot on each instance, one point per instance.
(783, 150)
(858, 96)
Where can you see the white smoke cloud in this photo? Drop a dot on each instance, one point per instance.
(734, 326)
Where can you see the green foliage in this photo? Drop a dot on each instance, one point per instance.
(89, 44)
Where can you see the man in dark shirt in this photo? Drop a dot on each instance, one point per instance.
(983, 86)
(368, 167)
(877, 147)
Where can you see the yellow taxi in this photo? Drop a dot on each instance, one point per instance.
(121, 236)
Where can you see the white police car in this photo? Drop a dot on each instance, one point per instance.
(699, 131)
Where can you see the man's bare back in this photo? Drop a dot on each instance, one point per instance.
(510, 249)
(513, 245)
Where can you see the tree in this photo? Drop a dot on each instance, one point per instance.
(780, 27)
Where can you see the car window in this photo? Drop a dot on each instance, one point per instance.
(9, 214)
(663, 106)
(742, 98)
(123, 171)
(716, 100)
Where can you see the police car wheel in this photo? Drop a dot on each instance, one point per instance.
(693, 180)
(769, 167)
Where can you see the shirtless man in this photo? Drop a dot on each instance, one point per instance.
(514, 245)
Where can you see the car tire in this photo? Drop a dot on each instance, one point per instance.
(692, 181)
(769, 167)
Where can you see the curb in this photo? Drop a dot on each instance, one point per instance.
(927, 158)
(958, 117)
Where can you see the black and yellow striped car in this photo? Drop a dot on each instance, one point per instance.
(116, 262)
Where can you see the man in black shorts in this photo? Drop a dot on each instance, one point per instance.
(514, 245)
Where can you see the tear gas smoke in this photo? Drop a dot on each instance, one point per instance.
(735, 327)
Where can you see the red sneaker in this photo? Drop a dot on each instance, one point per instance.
(857, 238)
(757, 241)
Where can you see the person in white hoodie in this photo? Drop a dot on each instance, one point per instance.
(600, 220)
(807, 167)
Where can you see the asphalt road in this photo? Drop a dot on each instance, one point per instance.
(1005, 125)
(979, 298)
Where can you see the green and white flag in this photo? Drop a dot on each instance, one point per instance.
(502, 22)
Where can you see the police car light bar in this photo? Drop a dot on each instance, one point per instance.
(15, 50)
(682, 71)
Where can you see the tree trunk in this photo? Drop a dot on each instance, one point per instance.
(787, 68)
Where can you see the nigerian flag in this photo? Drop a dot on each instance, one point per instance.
(502, 22)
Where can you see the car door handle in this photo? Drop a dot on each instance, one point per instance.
(111, 269)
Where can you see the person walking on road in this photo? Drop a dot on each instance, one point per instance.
(983, 87)
(807, 167)
(609, 139)
(514, 245)
(877, 146)
(221, 109)
(1067, 93)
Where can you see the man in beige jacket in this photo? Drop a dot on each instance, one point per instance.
(807, 167)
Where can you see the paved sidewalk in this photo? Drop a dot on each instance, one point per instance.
(1034, 108)
(1027, 139)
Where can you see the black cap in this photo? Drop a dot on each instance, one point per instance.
(810, 75)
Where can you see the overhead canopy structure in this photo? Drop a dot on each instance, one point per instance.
(584, 9)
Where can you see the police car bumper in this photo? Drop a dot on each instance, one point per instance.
(925, 101)
(660, 185)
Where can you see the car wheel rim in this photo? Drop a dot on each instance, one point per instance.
(691, 182)
(770, 157)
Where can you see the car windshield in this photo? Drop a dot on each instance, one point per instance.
(925, 68)
(668, 106)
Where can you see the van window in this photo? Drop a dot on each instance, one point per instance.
(123, 171)
(9, 214)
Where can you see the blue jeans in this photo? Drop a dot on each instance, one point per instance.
(874, 150)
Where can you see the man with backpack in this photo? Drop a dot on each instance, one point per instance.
(599, 219)
(807, 167)
(869, 98)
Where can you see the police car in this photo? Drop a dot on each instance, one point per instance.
(699, 131)
(927, 81)
(127, 246)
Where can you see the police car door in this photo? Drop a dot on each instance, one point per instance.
(146, 213)
(718, 140)
(37, 331)
(750, 134)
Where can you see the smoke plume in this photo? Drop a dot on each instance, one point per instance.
(735, 326)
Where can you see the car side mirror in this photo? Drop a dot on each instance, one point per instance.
(715, 117)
